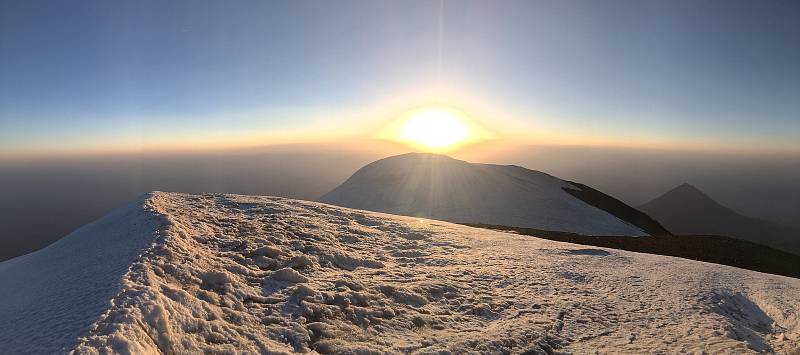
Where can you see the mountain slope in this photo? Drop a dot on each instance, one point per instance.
(709, 248)
(440, 187)
(687, 210)
(51, 297)
(228, 273)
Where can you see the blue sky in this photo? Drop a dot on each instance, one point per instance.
(102, 74)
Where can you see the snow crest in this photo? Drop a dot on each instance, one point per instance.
(49, 298)
(247, 274)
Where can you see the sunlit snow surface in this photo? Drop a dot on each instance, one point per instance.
(443, 188)
(250, 274)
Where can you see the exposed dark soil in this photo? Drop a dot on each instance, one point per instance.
(617, 208)
(708, 248)
(686, 210)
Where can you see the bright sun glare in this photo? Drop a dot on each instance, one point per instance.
(435, 128)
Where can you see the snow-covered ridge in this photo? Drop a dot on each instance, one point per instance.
(440, 187)
(51, 297)
(228, 273)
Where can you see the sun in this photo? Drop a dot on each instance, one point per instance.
(435, 128)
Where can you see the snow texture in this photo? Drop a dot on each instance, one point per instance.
(440, 187)
(49, 298)
(176, 273)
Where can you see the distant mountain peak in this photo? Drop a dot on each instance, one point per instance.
(687, 210)
(687, 187)
(437, 186)
(688, 194)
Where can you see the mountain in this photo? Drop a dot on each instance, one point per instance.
(709, 248)
(687, 210)
(440, 187)
(178, 273)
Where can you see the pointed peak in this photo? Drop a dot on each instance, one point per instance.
(686, 192)
(687, 187)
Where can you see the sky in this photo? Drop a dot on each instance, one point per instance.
(112, 75)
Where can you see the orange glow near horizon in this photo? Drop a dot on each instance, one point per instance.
(432, 128)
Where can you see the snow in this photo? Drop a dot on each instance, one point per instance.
(51, 297)
(179, 273)
(289, 275)
(443, 188)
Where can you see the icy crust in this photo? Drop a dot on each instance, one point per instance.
(242, 274)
